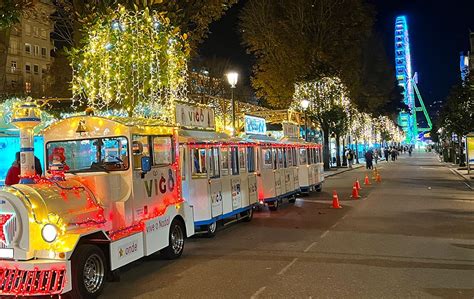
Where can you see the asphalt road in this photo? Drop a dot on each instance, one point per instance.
(410, 236)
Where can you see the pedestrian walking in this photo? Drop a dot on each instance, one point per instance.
(376, 156)
(350, 157)
(385, 153)
(369, 156)
(393, 153)
(409, 151)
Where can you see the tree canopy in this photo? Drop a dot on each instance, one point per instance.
(304, 40)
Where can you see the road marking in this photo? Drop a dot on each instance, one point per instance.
(282, 271)
(335, 224)
(324, 234)
(310, 246)
(469, 186)
(343, 217)
(258, 292)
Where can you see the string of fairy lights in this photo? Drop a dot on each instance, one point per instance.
(328, 92)
(134, 61)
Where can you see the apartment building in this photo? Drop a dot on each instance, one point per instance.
(29, 53)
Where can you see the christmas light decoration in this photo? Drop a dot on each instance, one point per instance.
(134, 61)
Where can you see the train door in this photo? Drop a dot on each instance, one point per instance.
(226, 177)
(198, 184)
(278, 168)
(251, 177)
(235, 182)
(303, 168)
(266, 174)
(289, 188)
(295, 168)
(215, 182)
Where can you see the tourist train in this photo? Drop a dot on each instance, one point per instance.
(118, 189)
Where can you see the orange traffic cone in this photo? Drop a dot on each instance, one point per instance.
(335, 201)
(374, 173)
(357, 184)
(366, 181)
(355, 193)
(378, 179)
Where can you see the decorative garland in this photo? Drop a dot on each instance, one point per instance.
(131, 60)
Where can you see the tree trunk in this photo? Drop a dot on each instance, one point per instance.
(461, 152)
(326, 153)
(357, 151)
(338, 149)
(344, 158)
(4, 45)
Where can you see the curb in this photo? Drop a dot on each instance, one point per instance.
(467, 181)
(342, 171)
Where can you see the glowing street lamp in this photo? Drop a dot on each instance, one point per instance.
(232, 78)
(305, 104)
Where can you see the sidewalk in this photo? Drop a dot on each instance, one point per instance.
(461, 172)
(336, 171)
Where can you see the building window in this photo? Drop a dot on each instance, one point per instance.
(43, 52)
(14, 66)
(28, 87)
(37, 50)
(13, 47)
(13, 83)
(36, 69)
(43, 34)
(35, 31)
(28, 29)
(43, 70)
(28, 68)
(28, 48)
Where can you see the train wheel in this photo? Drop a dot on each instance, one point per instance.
(274, 206)
(88, 271)
(292, 199)
(176, 241)
(211, 229)
(248, 216)
(319, 188)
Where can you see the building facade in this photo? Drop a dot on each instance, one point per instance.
(29, 52)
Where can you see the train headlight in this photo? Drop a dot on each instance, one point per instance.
(49, 233)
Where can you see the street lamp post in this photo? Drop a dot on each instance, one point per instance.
(232, 78)
(305, 104)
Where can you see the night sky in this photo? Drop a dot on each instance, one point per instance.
(438, 33)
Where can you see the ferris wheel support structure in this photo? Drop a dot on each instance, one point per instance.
(408, 119)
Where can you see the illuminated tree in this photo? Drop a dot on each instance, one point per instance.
(328, 107)
(131, 60)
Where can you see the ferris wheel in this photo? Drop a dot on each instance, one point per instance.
(408, 81)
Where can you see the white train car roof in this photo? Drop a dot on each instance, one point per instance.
(82, 127)
(202, 136)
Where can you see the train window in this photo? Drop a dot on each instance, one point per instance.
(303, 157)
(140, 148)
(225, 160)
(88, 155)
(214, 162)
(267, 157)
(285, 158)
(199, 162)
(234, 160)
(162, 150)
(275, 158)
(280, 158)
(242, 159)
(251, 159)
(295, 158)
(182, 156)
